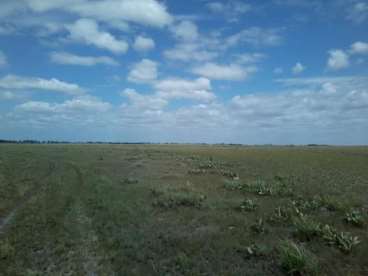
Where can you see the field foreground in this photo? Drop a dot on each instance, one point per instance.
(183, 210)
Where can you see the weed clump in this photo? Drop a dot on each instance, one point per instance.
(306, 229)
(233, 185)
(297, 260)
(343, 240)
(197, 171)
(280, 214)
(354, 217)
(260, 187)
(230, 174)
(174, 199)
(248, 205)
(331, 203)
(307, 205)
(259, 227)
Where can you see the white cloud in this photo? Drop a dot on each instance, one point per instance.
(7, 95)
(3, 59)
(199, 89)
(231, 9)
(71, 59)
(337, 60)
(328, 102)
(17, 82)
(144, 71)
(255, 36)
(115, 12)
(358, 13)
(359, 48)
(185, 30)
(143, 102)
(298, 68)
(188, 52)
(75, 105)
(224, 72)
(142, 43)
(249, 58)
(35, 106)
(87, 31)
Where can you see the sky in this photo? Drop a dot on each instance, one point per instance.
(194, 71)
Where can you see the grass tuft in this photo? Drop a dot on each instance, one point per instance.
(297, 260)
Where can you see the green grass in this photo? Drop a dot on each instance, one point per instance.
(174, 210)
(297, 260)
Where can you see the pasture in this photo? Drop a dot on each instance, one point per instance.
(183, 210)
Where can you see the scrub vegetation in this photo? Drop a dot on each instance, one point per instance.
(183, 210)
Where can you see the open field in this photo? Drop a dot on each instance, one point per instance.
(183, 210)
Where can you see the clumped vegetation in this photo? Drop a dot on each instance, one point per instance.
(248, 205)
(342, 240)
(182, 210)
(297, 260)
(306, 229)
(170, 199)
(355, 217)
(259, 226)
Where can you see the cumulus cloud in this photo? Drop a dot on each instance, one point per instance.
(71, 59)
(87, 31)
(143, 102)
(255, 36)
(190, 51)
(337, 60)
(18, 82)
(359, 47)
(142, 43)
(215, 71)
(358, 13)
(144, 71)
(185, 30)
(175, 88)
(298, 68)
(329, 104)
(78, 104)
(115, 12)
(3, 59)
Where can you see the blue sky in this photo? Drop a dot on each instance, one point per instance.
(252, 72)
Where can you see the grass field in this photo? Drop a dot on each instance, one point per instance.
(183, 210)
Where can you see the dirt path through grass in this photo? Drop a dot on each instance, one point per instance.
(88, 248)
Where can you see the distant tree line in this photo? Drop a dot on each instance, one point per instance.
(5, 141)
(29, 141)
